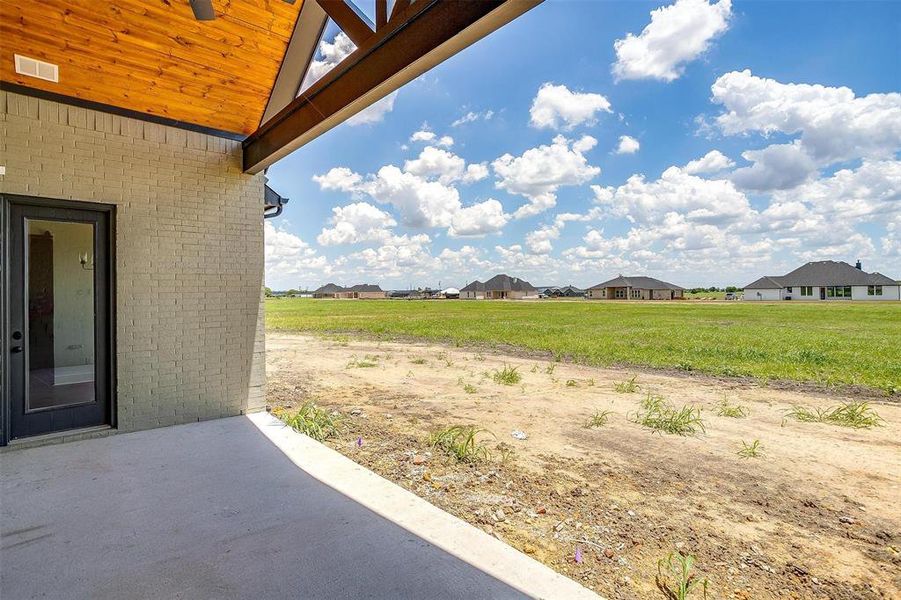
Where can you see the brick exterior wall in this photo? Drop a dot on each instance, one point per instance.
(189, 243)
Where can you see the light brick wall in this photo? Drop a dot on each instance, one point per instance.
(189, 243)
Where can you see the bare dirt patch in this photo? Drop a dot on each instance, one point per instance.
(817, 516)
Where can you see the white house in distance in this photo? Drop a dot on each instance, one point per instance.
(635, 288)
(824, 280)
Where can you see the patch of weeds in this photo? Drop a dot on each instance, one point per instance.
(419, 361)
(312, 420)
(461, 443)
(728, 371)
(736, 411)
(808, 355)
(341, 340)
(572, 383)
(675, 579)
(558, 357)
(752, 450)
(661, 416)
(505, 453)
(627, 387)
(507, 376)
(479, 357)
(534, 369)
(598, 419)
(549, 370)
(854, 414)
(469, 388)
(684, 366)
(590, 382)
(367, 362)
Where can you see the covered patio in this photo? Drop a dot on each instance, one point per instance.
(221, 509)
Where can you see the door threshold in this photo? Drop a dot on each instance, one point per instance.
(59, 437)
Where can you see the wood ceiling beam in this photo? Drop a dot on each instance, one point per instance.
(430, 32)
(349, 19)
(298, 56)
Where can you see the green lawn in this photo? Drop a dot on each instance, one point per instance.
(847, 343)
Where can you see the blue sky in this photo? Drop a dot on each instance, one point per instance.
(701, 142)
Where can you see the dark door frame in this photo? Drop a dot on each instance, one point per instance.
(6, 202)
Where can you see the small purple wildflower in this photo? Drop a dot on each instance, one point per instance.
(578, 555)
(360, 442)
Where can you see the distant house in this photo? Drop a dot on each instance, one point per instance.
(825, 280)
(473, 291)
(635, 288)
(364, 290)
(567, 291)
(499, 287)
(329, 290)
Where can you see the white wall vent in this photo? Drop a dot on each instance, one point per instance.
(37, 68)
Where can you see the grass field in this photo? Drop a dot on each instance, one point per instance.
(833, 344)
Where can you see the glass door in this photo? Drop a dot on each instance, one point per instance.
(59, 318)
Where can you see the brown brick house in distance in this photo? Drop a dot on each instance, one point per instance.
(635, 288)
(499, 287)
(359, 291)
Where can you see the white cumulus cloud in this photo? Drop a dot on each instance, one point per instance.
(712, 162)
(479, 219)
(627, 145)
(556, 107)
(834, 124)
(539, 172)
(676, 35)
(358, 222)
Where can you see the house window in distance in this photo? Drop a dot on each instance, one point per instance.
(788, 289)
(874, 290)
(806, 290)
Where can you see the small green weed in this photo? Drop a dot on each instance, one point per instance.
(507, 376)
(571, 383)
(660, 416)
(675, 579)
(469, 388)
(505, 453)
(736, 411)
(418, 361)
(367, 362)
(598, 419)
(854, 414)
(752, 450)
(312, 420)
(627, 387)
(549, 370)
(461, 442)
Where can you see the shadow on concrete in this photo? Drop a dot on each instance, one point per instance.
(205, 510)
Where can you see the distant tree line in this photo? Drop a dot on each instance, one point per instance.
(702, 290)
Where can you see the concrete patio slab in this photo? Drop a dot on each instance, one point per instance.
(218, 510)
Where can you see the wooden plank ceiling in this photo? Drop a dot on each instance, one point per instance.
(153, 56)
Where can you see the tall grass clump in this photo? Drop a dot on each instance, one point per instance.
(735, 411)
(507, 376)
(854, 414)
(675, 579)
(313, 421)
(662, 417)
(598, 419)
(461, 443)
(627, 387)
(752, 450)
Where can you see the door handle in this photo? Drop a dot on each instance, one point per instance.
(15, 349)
